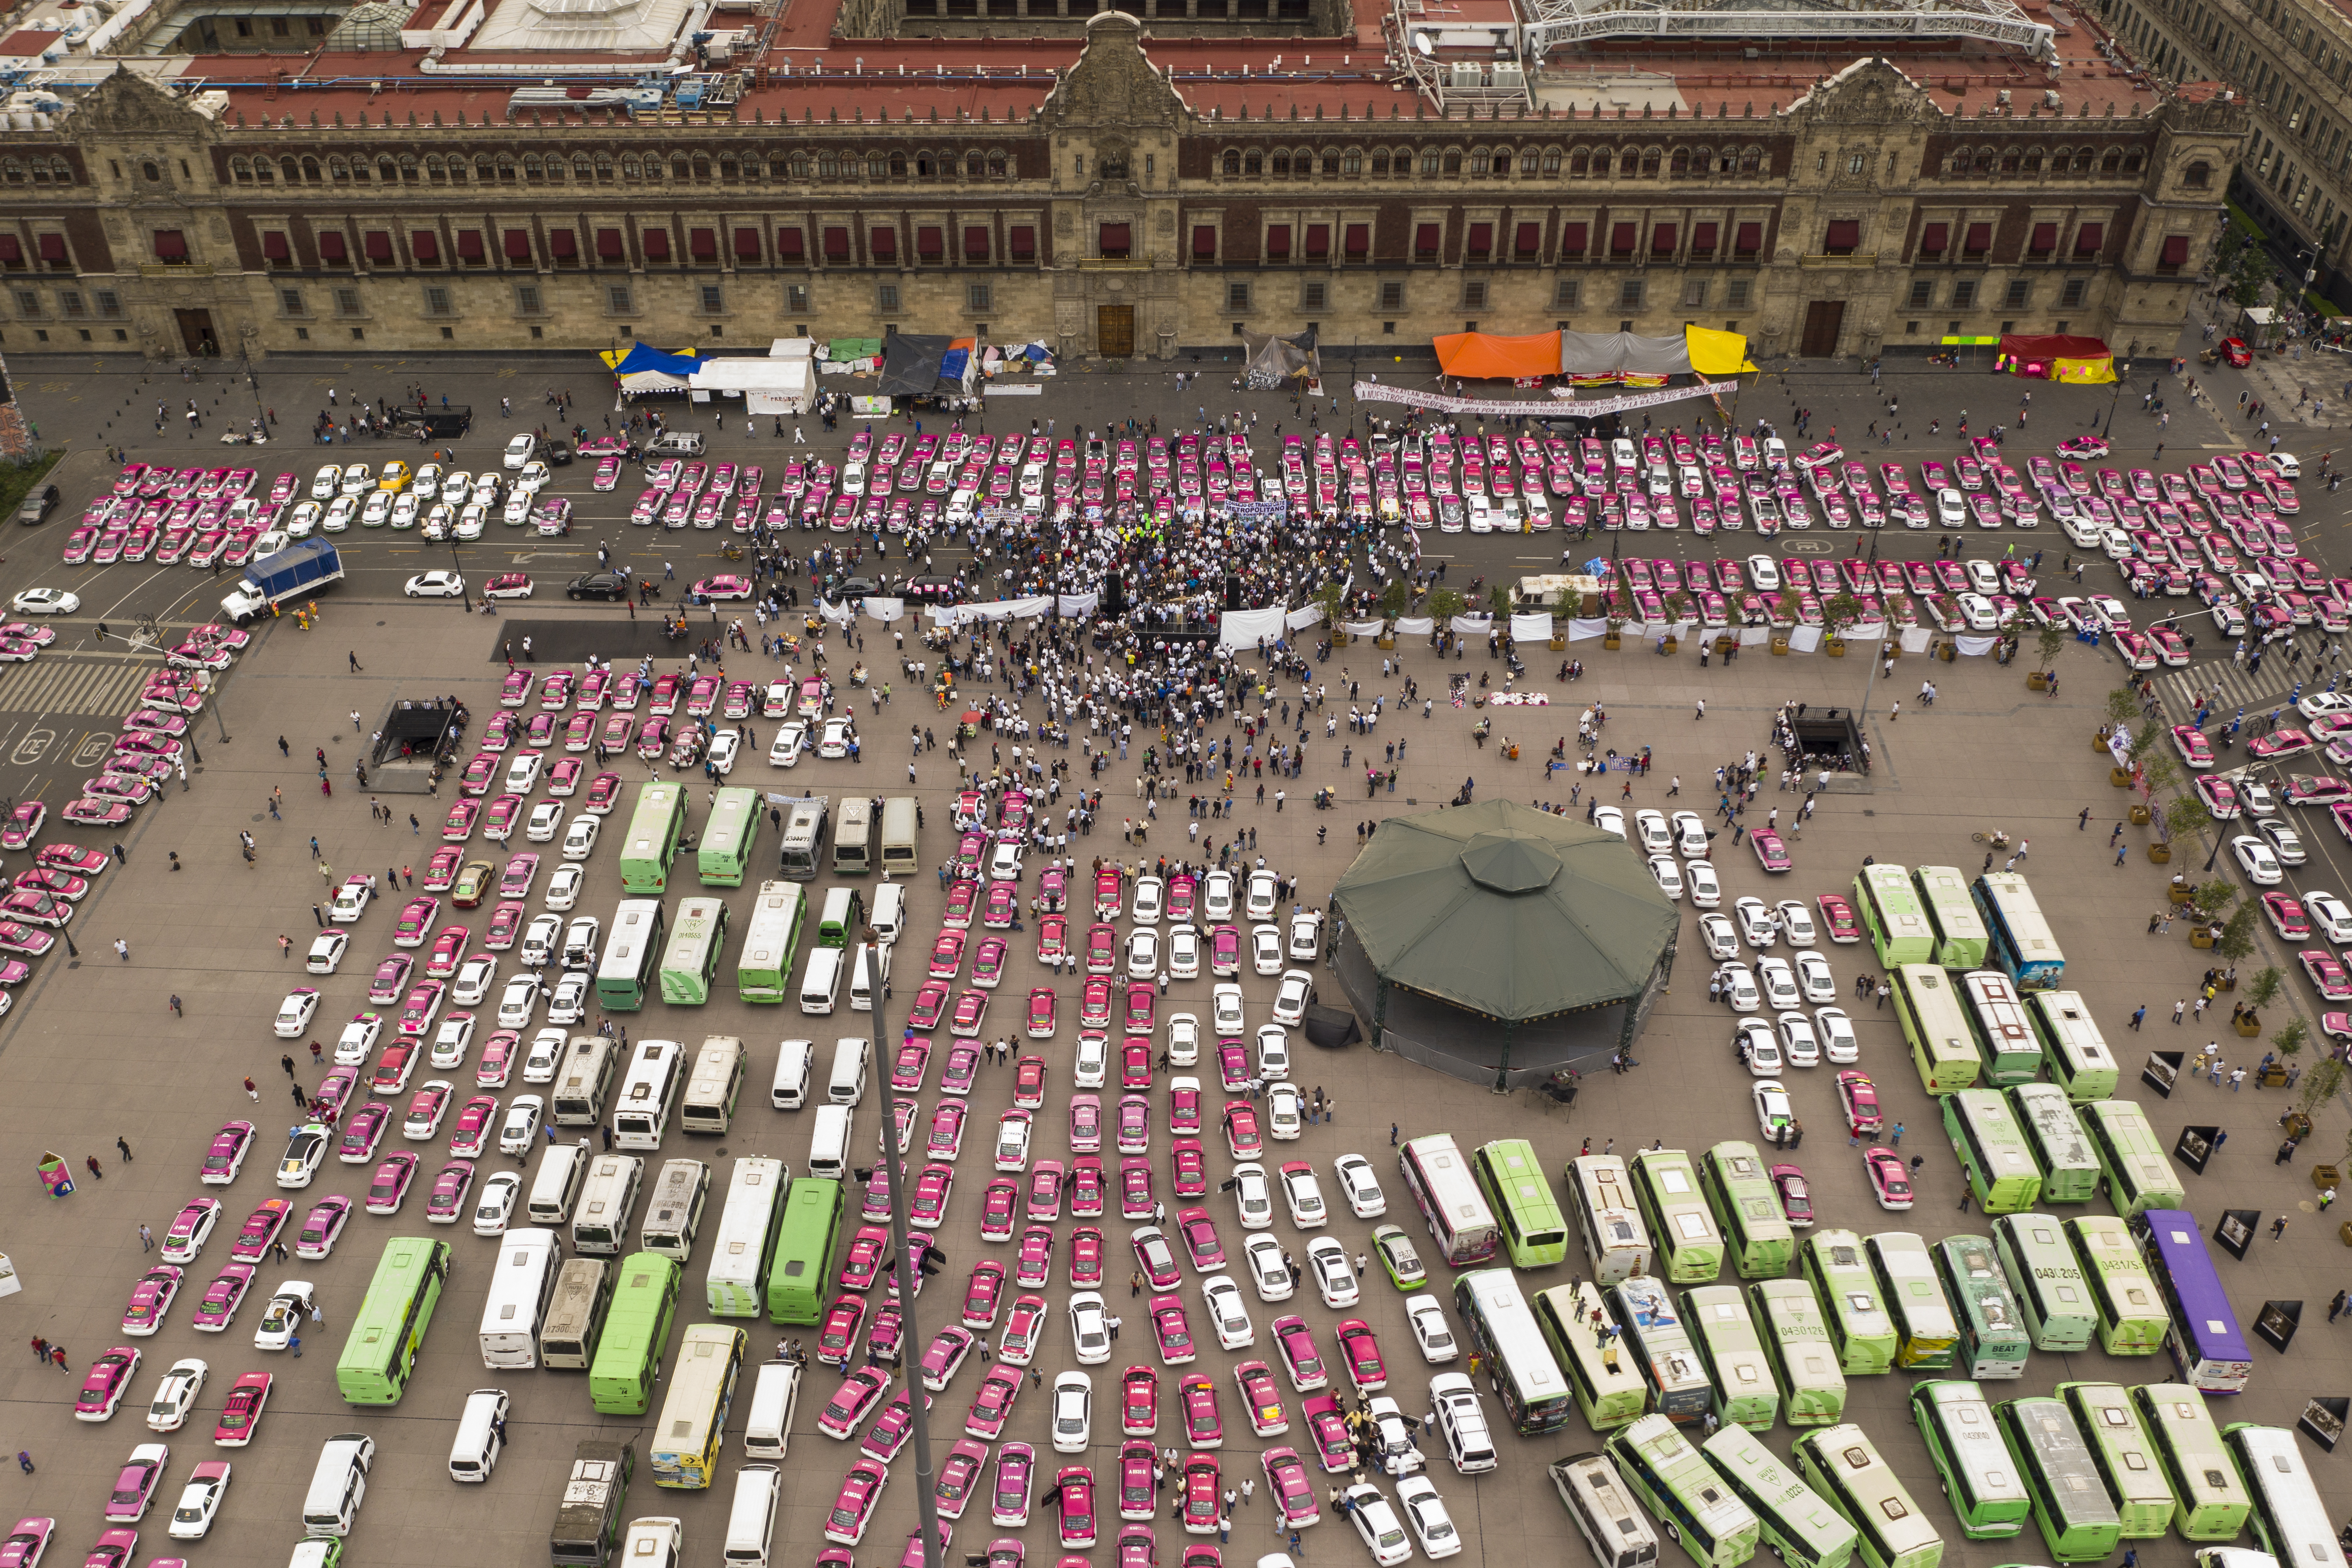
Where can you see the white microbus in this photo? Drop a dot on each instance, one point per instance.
(648, 1094)
(523, 1282)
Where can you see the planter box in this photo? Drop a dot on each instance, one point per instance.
(2248, 1025)
(1834, 648)
(1610, 641)
(1781, 645)
(2036, 681)
(1387, 639)
(2161, 854)
(2119, 777)
(2323, 1177)
(2200, 937)
(2141, 816)
(1558, 643)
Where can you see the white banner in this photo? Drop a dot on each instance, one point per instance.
(1915, 639)
(1012, 389)
(1243, 628)
(1581, 628)
(2119, 745)
(1024, 609)
(1804, 639)
(1381, 392)
(886, 610)
(838, 611)
(1363, 628)
(1974, 648)
(1415, 625)
(1534, 627)
(1865, 631)
(1079, 604)
(1471, 625)
(1305, 616)
(1755, 637)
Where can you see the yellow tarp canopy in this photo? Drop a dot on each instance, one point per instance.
(1717, 353)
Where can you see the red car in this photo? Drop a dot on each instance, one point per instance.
(1191, 1161)
(1107, 894)
(1204, 1427)
(982, 1295)
(927, 1204)
(1859, 1098)
(946, 1138)
(1134, 1135)
(1335, 1449)
(907, 1071)
(996, 1210)
(1135, 1200)
(1053, 940)
(1085, 1124)
(1155, 1257)
(1029, 1083)
(993, 1405)
(1074, 1520)
(1203, 1505)
(1241, 1134)
(1137, 1494)
(1093, 1004)
(1086, 1258)
(859, 1392)
(1033, 1268)
(1200, 1234)
(1183, 1105)
(2327, 974)
(1294, 1342)
(959, 1482)
(930, 1004)
(947, 954)
(1172, 1331)
(961, 1067)
(1040, 1014)
(248, 1398)
(1770, 853)
(1102, 949)
(961, 896)
(1261, 1401)
(1890, 1180)
(867, 1249)
(1024, 1323)
(1360, 1353)
(1135, 1064)
(1139, 1401)
(1796, 1199)
(2234, 350)
(1139, 1008)
(1838, 922)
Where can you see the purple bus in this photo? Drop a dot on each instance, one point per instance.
(2207, 1346)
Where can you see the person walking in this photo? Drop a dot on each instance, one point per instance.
(252, 1092)
(124, 1146)
(146, 1239)
(122, 949)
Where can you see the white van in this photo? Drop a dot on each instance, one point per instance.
(652, 1542)
(768, 1429)
(795, 1058)
(869, 966)
(821, 981)
(888, 916)
(552, 1192)
(850, 1055)
(481, 1436)
(829, 1144)
(1468, 1442)
(338, 1484)
(751, 1523)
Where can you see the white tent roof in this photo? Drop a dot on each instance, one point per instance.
(785, 375)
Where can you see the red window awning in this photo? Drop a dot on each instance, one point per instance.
(746, 244)
(469, 244)
(11, 253)
(170, 244)
(1844, 235)
(564, 244)
(1112, 240)
(2044, 240)
(884, 243)
(1482, 238)
(1425, 239)
(930, 242)
(1527, 240)
(378, 245)
(836, 244)
(1204, 242)
(792, 244)
(1318, 241)
(1662, 239)
(1703, 238)
(2089, 238)
(274, 248)
(425, 245)
(1623, 238)
(53, 248)
(975, 242)
(1571, 238)
(517, 245)
(608, 244)
(1748, 240)
(1358, 239)
(1978, 238)
(702, 244)
(2175, 250)
(1934, 239)
(1022, 240)
(1278, 242)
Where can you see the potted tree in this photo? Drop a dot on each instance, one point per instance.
(2236, 942)
(1841, 611)
(2183, 815)
(1444, 606)
(2205, 906)
(2320, 1087)
(1394, 600)
(2288, 1042)
(2048, 645)
(1330, 598)
(1571, 605)
(2261, 991)
(1677, 607)
(2122, 709)
(2157, 773)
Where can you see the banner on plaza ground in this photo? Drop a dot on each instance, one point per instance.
(1471, 625)
(1976, 648)
(1415, 625)
(1258, 510)
(1531, 629)
(1246, 628)
(1804, 639)
(1363, 628)
(1581, 628)
(1915, 639)
(1077, 604)
(1547, 408)
(1305, 616)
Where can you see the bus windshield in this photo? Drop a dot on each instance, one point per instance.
(695, 944)
(770, 937)
(724, 851)
(655, 829)
(627, 971)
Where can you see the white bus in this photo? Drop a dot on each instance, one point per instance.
(1615, 1241)
(674, 1212)
(648, 1093)
(584, 1081)
(713, 1085)
(764, 966)
(1523, 1372)
(600, 1220)
(523, 1282)
(2289, 1520)
(567, 1334)
(746, 1244)
(1598, 1499)
(686, 1438)
(1438, 1177)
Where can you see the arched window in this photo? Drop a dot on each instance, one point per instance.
(506, 166)
(2082, 160)
(897, 165)
(1580, 163)
(1680, 165)
(1629, 163)
(407, 169)
(1650, 159)
(240, 170)
(361, 171)
(2133, 162)
(698, 167)
(263, 173)
(729, 166)
(154, 172)
(1551, 161)
(533, 170)
(1960, 163)
(2032, 163)
(1453, 160)
(436, 168)
(12, 172)
(996, 165)
(1481, 162)
(1380, 163)
(604, 167)
(310, 170)
(2112, 162)
(799, 165)
(1504, 161)
(1232, 160)
(925, 168)
(877, 166)
(1430, 161)
(630, 168)
(2197, 176)
(338, 168)
(1330, 162)
(486, 168)
(584, 167)
(2008, 159)
(1751, 161)
(1351, 161)
(975, 166)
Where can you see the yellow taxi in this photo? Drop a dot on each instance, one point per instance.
(395, 477)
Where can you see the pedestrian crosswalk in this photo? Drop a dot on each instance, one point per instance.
(2259, 692)
(65, 685)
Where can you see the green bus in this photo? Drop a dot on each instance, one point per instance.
(1995, 1158)
(772, 934)
(2124, 1455)
(1689, 1246)
(1793, 1522)
(1860, 1330)
(1534, 1233)
(655, 829)
(1889, 908)
(1952, 915)
(2054, 1137)
(2210, 1499)
(1927, 1336)
(2078, 1521)
(1733, 1351)
(695, 944)
(1796, 1335)
(1993, 1340)
(632, 954)
(724, 851)
(804, 1250)
(1842, 1464)
(636, 1326)
(1756, 1229)
(1935, 1027)
(2050, 1287)
(1971, 1461)
(393, 1315)
(2080, 1062)
(1684, 1492)
(2006, 1044)
(2132, 1316)
(2138, 1174)
(1608, 1390)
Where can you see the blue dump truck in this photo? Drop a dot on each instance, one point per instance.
(294, 572)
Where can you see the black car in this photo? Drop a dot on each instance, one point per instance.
(557, 454)
(598, 585)
(39, 501)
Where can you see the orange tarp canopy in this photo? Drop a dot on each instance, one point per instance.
(1485, 356)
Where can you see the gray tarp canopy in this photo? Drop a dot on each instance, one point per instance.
(1273, 360)
(910, 364)
(1506, 912)
(1622, 353)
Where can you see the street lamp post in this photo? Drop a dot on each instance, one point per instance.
(463, 597)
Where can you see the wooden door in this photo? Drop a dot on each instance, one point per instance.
(1115, 330)
(1823, 320)
(196, 332)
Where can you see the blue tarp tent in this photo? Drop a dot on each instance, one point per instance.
(645, 357)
